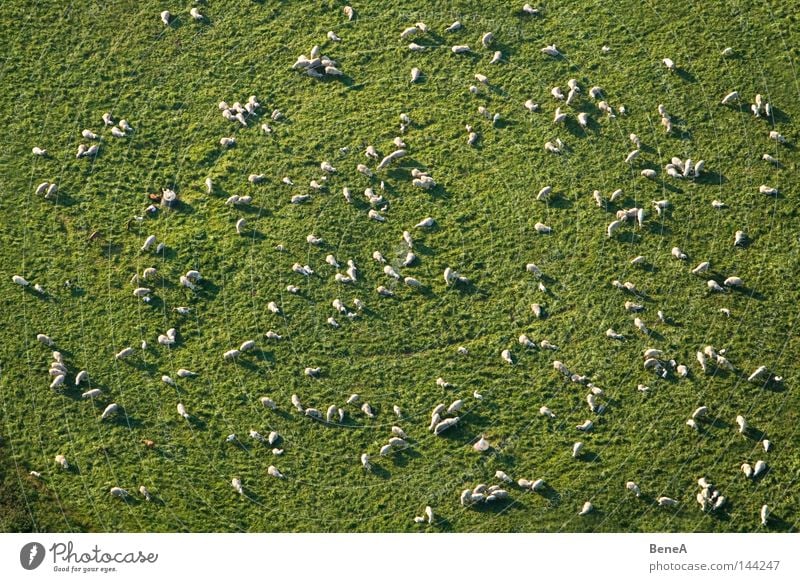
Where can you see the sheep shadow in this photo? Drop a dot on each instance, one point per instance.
(552, 496)
(685, 75)
(711, 177)
(379, 471)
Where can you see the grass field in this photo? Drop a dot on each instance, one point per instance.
(65, 64)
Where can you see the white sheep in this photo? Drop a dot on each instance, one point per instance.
(165, 18)
(119, 492)
(586, 509)
(112, 408)
(576, 449)
(730, 98)
(633, 488)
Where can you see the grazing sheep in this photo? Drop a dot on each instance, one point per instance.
(667, 502)
(445, 424)
(701, 268)
(586, 509)
(714, 286)
(182, 411)
(236, 483)
(733, 282)
(112, 408)
(459, 48)
(93, 393)
(119, 492)
(633, 488)
(231, 354)
(742, 423)
(764, 514)
(730, 98)
(576, 449)
(121, 355)
(759, 468)
(268, 402)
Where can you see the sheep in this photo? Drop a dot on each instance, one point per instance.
(576, 449)
(764, 514)
(367, 409)
(586, 509)
(714, 286)
(733, 282)
(551, 50)
(633, 488)
(649, 174)
(61, 461)
(507, 357)
(268, 402)
(742, 424)
(227, 142)
(182, 411)
(701, 268)
(775, 136)
(666, 502)
(445, 424)
(312, 372)
(641, 326)
(296, 403)
(586, 426)
(240, 225)
(93, 393)
(767, 445)
(613, 227)
(117, 132)
(119, 492)
(460, 49)
(231, 354)
(679, 254)
(112, 408)
(700, 412)
(759, 468)
(730, 98)
(236, 483)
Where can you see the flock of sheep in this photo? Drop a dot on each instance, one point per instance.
(346, 272)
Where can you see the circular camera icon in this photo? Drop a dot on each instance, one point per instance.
(31, 555)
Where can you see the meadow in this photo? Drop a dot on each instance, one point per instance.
(66, 64)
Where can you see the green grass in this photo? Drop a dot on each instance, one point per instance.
(65, 65)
